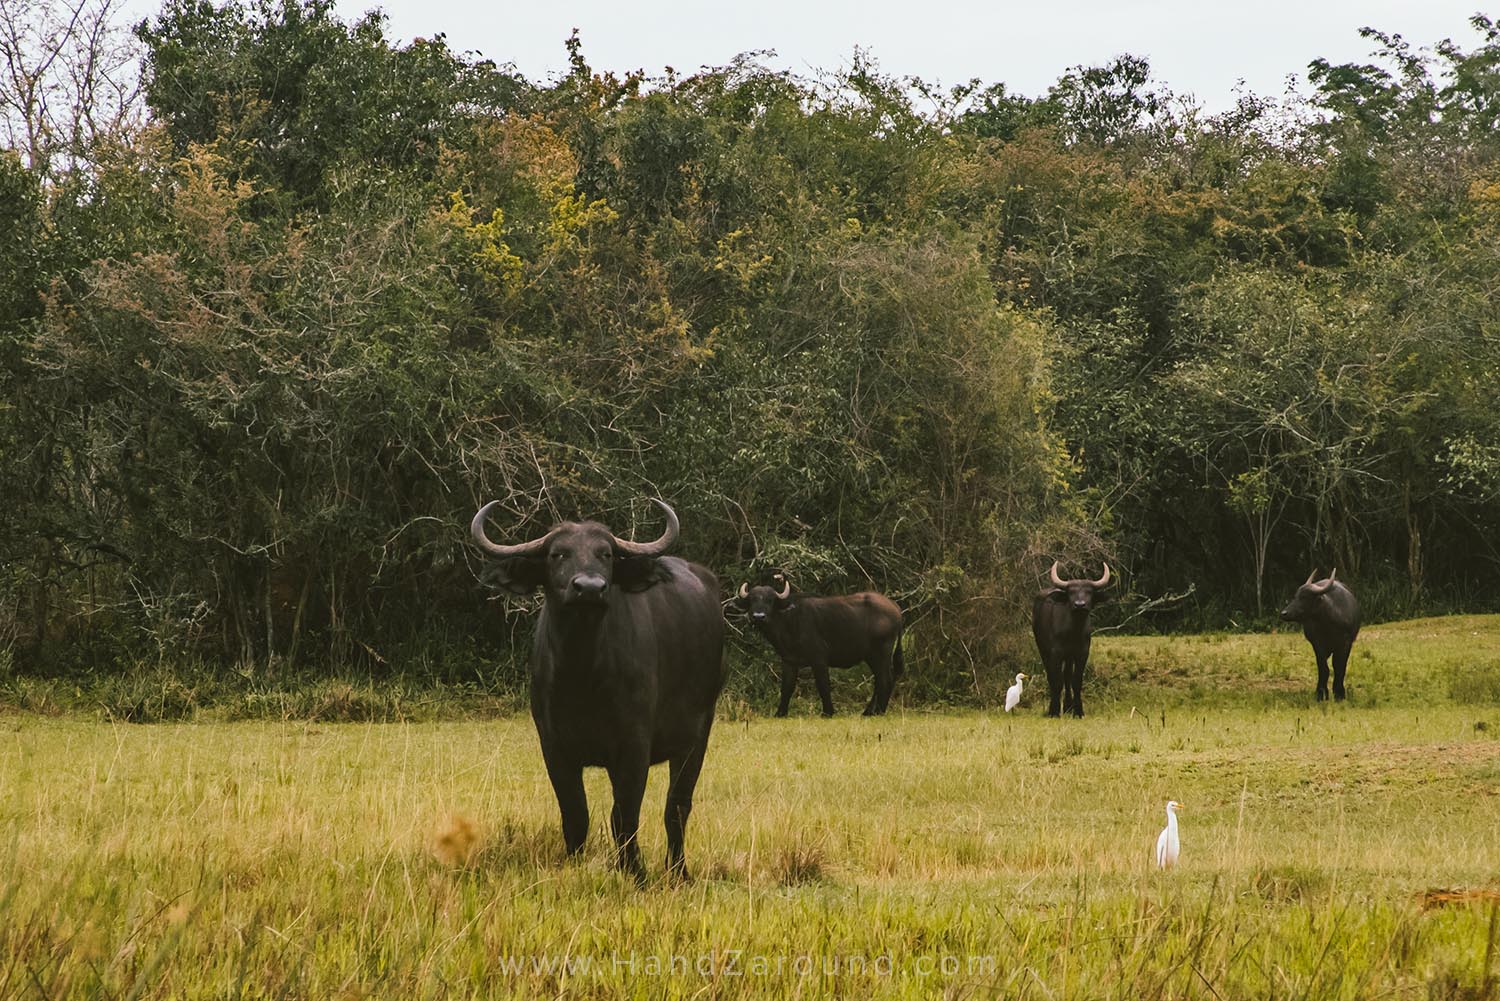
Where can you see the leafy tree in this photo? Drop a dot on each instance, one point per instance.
(296, 95)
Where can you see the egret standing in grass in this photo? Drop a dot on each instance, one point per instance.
(1167, 846)
(1013, 693)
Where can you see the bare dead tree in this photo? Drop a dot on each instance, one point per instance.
(69, 79)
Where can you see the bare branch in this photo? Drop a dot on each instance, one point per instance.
(69, 80)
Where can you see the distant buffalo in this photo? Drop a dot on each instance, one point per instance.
(1060, 623)
(629, 661)
(1329, 614)
(828, 632)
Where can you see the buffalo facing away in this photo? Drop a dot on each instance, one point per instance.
(1329, 614)
(828, 632)
(1060, 623)
(629, 662)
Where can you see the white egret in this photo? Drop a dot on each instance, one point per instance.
(1167, 846)
(1013, 693)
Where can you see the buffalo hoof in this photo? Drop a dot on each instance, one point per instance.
(1322, 695)
(1338, 696)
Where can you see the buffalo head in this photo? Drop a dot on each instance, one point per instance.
(576, 562)
(1306, 598)
(1078, 594)
(764, 600)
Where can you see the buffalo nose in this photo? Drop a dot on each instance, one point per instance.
(588, 585)
(757, 616)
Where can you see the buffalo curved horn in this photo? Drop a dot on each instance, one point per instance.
(1310, 577)
(786, 590)
(658, 547)
(476, 529)
(1056, 580)
(1323, 585)
(744, 591)
(1102, 582)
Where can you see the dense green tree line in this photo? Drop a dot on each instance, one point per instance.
(264, 348)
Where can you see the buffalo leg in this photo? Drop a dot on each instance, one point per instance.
(825, 689)
(890, 689)
(788, 686)
(1075, 675)
(684, 778)
(1322, 675)
(1075, 687)
(881, 665)
(567, 784)
(628, 780)
(1054, 668)
(1340, 662)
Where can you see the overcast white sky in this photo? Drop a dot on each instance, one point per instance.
(1199, 47)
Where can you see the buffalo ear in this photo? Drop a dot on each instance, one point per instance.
(518, 574)
(637, 573)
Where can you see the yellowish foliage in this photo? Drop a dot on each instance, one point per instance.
(488, 254)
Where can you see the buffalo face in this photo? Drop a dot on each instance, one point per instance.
(576, 563)
(760, 603)
(1076, 595)
(1307, 597)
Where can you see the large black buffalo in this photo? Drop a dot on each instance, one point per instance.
(828, 632)
(1060, 623)
(1329, 614)
(629, 662)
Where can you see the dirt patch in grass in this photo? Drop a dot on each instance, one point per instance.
(1449, 897)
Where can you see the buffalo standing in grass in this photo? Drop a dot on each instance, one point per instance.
(828, 632)
(629, 662)
(1060, 623)
(1329, 614)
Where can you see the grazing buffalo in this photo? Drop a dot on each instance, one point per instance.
(828, 632)
(1329, 614)
(1060, 623)
(629, 662)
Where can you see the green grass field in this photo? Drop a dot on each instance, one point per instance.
(964, 854)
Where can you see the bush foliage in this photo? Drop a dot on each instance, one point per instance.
(264, 349)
